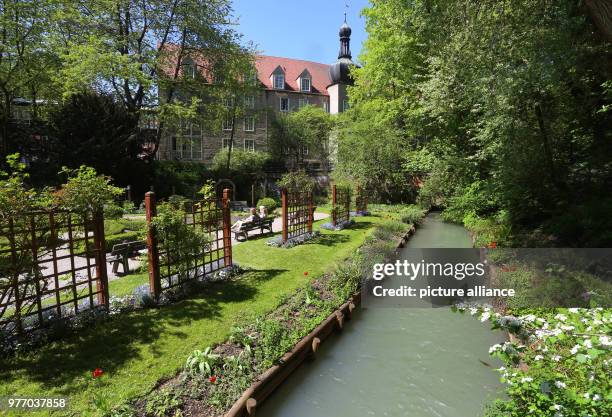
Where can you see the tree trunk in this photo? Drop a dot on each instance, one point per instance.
(231, 144)
(601, 13)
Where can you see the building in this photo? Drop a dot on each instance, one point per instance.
(285, 85)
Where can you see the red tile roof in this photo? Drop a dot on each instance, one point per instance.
(293, 69)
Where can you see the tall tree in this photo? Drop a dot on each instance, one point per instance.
(139, 50)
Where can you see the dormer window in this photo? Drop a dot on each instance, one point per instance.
(278, 78)
(279, 81)
(305, 82)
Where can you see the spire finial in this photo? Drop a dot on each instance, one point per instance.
(346, 6)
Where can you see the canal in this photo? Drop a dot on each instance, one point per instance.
(418, 362)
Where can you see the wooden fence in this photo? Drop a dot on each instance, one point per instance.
(341, 205)
(52, 265)
(172, 263)
(297, 213)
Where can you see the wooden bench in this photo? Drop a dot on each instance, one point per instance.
(121, 254)
(246, 227)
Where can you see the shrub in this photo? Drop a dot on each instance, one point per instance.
(204, 362)
(297, 181)
(412, 214)
(268, 203)
(85, 190)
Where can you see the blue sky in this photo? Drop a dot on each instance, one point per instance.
(300, 29)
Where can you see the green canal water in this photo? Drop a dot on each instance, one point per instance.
(417, 362)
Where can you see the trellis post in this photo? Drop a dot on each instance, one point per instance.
(285, 214)
(152, 248)
(310, 212)
(100, 254)
(334, 202)
(227, 228)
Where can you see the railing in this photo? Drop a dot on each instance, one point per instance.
(341, 204)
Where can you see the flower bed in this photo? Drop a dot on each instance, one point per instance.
(557, 363)
(277, 242)
(339, 226)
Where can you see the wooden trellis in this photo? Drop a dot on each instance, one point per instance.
(361, 200)
(341, 205)
(297, 212)
(52, 265)
(171, 264)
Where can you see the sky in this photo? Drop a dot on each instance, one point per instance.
(305, 30)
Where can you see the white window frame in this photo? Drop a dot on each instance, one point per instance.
(251, 126)
(188, 142)
(302, 102)
(251, 147)
(302, 80)
(225, 143)
(281, 104)
(277, 78)
(249, 102)
(227, 125)
(326, 106)
(228, 102)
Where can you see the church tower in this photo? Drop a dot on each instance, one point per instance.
(339, 72)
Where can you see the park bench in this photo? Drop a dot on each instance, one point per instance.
(246, 227)
(122, 252)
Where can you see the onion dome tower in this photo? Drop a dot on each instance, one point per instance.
(339, 72)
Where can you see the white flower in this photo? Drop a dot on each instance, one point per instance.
(560, 317)
(485, 316)
(526, 379)
(560, 384)
(587, 395)
(538, 357)
(473, 310)
(596, 397)
(556, 358)
(605, 341)
(588, 344)
(573, 310)
(557, 407)
(567, 328)
(575, 349)
(495, 348)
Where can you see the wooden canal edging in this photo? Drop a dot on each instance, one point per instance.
(266, 383)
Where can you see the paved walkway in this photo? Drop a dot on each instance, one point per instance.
(277, 227)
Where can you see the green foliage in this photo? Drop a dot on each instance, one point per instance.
(163, 403)
(15, 196)
(297, 181)
(203, 362)
(242, 161)
(207, 191)
(441, 90)
(274, 342)
(268, 203)
(85, 190)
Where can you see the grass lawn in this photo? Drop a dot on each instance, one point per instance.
(138, 349)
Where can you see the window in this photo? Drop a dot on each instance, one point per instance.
(284, 104)
(326, 107)
(249, 145)
(189, 69)
(249, 124)
(345, 105)
(227, 124)
(226, 143)
(302, 102)
(188, 145)
(249, 102)
(228, 102)
(305, 84)
(279, 81)
(305, 150)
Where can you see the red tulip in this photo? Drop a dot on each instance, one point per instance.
(212, 379)
(493, 245)
(97, 373)
(306, 273)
